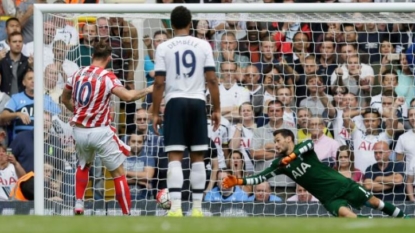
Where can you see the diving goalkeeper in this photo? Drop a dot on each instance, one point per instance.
(331, 188)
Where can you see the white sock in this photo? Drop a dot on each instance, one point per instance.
(198, 181)
(175, 184)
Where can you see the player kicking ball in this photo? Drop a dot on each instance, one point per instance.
(332, 189)
(87, 94)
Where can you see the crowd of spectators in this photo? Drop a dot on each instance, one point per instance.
(348, 87)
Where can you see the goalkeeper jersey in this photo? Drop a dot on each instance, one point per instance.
(321, 181)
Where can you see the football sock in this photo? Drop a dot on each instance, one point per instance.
(390, 209)
(174, 184)
(197, 181)
(81, 182)
(122, 194)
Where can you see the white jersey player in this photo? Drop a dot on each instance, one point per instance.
(87, 94)
(183, 66)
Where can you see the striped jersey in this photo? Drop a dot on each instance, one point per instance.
(91, 91)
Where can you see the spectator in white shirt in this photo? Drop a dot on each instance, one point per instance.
(10, 172)
(49, 32)
(231, 95)
(241, 135)
(64, 31)
(65, 67)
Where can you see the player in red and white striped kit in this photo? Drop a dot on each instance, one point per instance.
(87, 94)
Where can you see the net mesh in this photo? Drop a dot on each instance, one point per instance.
(295, 58)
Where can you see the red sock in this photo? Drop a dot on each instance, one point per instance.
(122, 194)
(81, 182)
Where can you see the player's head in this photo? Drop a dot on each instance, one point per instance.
(284, 141)
(181, 18)
(102, 53)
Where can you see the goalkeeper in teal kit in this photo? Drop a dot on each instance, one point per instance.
(332, 189)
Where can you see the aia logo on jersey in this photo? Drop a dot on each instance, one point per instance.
(367, 146)
(344, 133)
(7, 181)
(245, 143)
(217, 141)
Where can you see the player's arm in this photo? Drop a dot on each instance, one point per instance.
(269, 172)
(159, 80)
(130, 95)
(410, 187)
(212, 85)
(66, 98)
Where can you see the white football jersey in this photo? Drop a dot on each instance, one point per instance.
(406, 146)
(220, 137)
(183, 60)
(341, 134)
(246, 142)
(8, 179)
(234, 96)
(363, 148)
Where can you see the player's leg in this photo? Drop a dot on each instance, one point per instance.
(112, 152)
(197, 181)
(339, 208)
(385, 207)
(359, 196)
(198, 147)
(175, 144)
(85, 158)
(122, 191)
(346, 212)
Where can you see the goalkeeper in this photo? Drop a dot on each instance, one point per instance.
(331, 188)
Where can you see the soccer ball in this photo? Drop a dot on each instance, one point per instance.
(163, 199)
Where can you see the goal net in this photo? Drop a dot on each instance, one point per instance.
(332, 77)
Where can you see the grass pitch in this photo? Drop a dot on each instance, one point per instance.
(55, 224)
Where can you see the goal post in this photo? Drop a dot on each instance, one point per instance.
(321, 13)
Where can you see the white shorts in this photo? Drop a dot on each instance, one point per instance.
(102, 142)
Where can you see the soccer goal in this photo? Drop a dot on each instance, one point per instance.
(253, 46)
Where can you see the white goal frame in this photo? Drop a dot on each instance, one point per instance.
(41, 9)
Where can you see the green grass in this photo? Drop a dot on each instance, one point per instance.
(84, 224)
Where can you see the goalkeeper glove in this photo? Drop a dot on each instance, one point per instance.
(230, 181)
